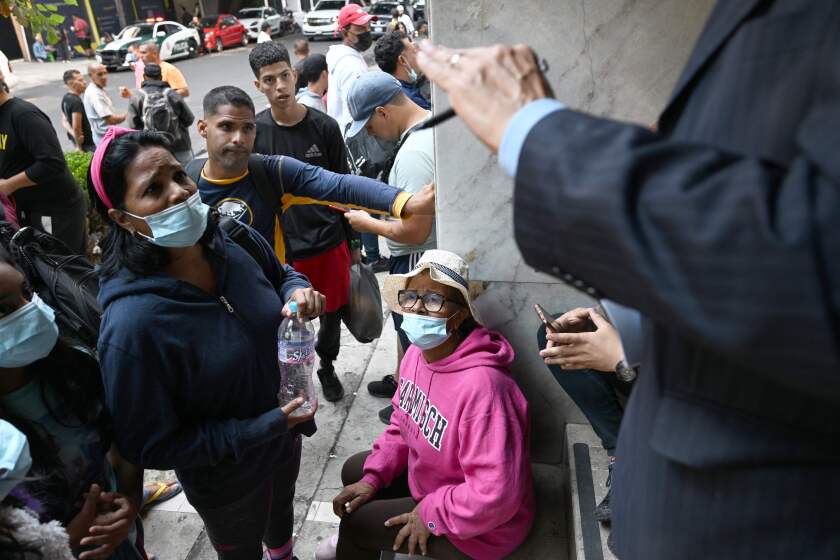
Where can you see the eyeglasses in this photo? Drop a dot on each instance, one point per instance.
(432, 301)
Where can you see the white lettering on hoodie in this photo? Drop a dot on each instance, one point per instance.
(415, 403)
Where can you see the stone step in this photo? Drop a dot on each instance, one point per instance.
(588, 469)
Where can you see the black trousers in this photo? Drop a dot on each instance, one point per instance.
(363, 534)
(329, 336)
(264, 515)
(596, 394)
(67, 224)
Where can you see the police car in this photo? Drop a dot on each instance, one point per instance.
(173, 40)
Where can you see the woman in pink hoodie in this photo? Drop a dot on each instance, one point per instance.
(451, 475)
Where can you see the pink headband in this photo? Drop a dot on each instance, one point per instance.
(96, 164)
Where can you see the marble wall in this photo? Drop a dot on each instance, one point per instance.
(616, 58)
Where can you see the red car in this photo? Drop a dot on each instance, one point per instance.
(223, 30)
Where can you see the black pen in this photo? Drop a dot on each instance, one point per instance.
(437, 119)
(542, 66)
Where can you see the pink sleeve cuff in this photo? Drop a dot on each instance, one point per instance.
(373, 480)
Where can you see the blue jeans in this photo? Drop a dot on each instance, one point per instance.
(370, 241)
(596, 394)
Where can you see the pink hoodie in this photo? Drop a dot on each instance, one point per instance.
(460, 426)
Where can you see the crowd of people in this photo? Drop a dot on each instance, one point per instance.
(341, 156)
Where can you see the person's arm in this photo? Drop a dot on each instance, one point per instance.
(493, 457)
(185, 115)
(78, 130)
(38, 137)
(411, 171)
(389, 457)
(150, 432)
(177, 82)
(308, 184)
(105, 111)
(733, 252)
(134, 114)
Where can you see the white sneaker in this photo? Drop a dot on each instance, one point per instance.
(326, 550)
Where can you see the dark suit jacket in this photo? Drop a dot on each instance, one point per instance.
(724, 229)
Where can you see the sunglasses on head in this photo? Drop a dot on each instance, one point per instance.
(432, 301)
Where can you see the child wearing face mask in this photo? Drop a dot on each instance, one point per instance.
(452, 469)
(22, 535)
(53, 394)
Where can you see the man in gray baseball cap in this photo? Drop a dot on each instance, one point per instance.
(376, 102)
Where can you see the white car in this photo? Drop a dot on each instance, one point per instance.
(322, 20)
(173, 40)
(253, 18)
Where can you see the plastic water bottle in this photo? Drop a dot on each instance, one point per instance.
(296, 356)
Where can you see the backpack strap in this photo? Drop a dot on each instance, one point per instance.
(265, 186)
(239, 233)
(193, 169)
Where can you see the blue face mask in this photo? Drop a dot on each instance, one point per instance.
(425, 332)
(28, 334)
(412, 75)
(15, 460)
(181, 225)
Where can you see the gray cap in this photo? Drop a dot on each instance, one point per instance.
(371, 90)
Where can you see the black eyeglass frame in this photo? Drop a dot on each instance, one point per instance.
(422, 298)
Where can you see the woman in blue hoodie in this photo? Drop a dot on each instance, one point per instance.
(188, 347)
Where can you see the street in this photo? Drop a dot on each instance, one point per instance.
(203, 73)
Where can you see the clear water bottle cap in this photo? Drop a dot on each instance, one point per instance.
(293, 307)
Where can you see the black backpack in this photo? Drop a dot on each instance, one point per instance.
(67, 282)
(158, 114)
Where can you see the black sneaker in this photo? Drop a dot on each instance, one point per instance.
(382, 265)
(384, 389)
(333, 391)
(603, 511)
(385, 414)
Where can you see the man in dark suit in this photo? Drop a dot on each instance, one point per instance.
(723, 228)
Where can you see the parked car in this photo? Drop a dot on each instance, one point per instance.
(253, 18)
(173, 40)
(322, 20)
(223, 30)
(420, 10)
(382, 11)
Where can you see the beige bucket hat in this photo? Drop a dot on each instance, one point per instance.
(444, 267)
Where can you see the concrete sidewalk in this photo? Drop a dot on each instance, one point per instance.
(175, 532)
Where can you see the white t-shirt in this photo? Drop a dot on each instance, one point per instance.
(344, 65)
(263, 37)
(409, 25)
(414, 168)
(98, 105)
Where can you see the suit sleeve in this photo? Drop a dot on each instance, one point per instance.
(736, 253)
(309, 184)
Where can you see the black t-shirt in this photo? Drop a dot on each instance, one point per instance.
(307, 230)
(70, 104)
(28, 143)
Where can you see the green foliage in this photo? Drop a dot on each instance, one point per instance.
(39, 18)
(79, 162)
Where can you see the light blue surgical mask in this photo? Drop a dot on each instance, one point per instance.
(425, 332)
(28, 334)
(15, 460)
(412, 75)
(181, 225)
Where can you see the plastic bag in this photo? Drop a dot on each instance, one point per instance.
(364, 319)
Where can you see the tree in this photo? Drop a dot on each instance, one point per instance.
(37, 17)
